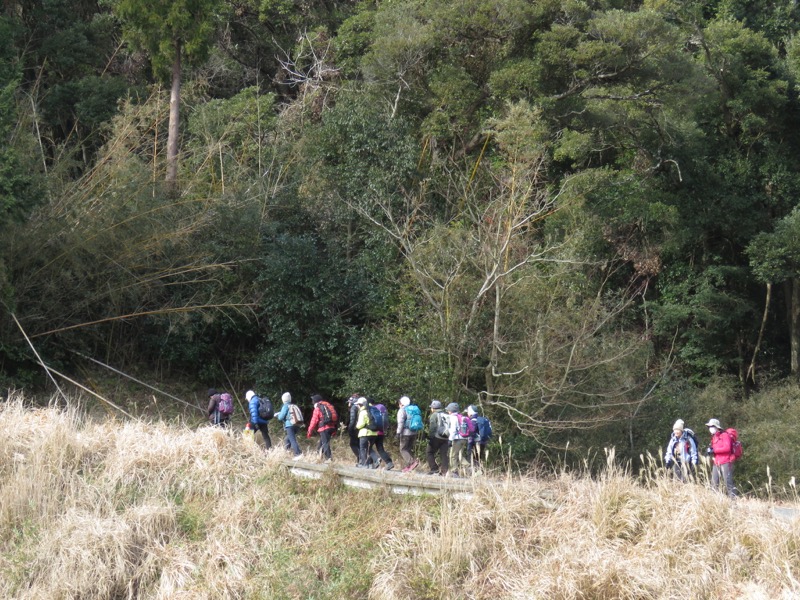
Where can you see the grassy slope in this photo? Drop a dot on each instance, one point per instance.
(153, 510)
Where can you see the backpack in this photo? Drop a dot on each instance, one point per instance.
(383, 424)
(265, 409)
(691, 434)
(295, 415)
(413, 418)
(466, 426)
(736, 447)
(225, 404)
(442, 426)
(484, 428)
(375, 418)
(328, 413)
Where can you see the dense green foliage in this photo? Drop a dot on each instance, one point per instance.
(562, 210)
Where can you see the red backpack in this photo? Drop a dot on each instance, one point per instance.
(736, 445)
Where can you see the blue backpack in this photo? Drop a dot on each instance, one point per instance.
(375, 418)
(414, 418)
(484, 429)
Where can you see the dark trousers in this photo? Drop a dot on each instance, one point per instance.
(366, 446)
(264, 429)
(291, 440)
(407, 448)
(354, 445)
(440, 447)
(382, 451)
(325, 442)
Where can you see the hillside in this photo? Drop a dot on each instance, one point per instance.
(156, 510)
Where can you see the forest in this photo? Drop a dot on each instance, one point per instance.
(580, 215)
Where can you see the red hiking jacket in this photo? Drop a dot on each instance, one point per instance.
(722, 445)
(316, 419)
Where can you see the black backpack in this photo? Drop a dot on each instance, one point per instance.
(265, 409)
(328, 413)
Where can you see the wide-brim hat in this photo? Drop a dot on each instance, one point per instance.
(714, 423)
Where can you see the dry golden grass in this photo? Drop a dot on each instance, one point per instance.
(150, 510)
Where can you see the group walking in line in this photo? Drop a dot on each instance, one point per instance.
(457, 442)
(682, 454)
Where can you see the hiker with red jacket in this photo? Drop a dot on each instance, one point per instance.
(721, 449)
(324, 421)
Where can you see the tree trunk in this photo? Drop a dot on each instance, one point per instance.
(174, 116)
(794, 333)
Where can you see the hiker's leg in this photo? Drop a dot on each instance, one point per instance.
(354, 446)
(325, 442)
(406, 443)
(265, 434)
(287, 445)
(382, 451)
(291, 435)
(363, 451)
(715, 478)
(430, 455)
(444, 449)
(727, 473)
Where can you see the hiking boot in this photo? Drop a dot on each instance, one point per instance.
(297, 457)
(413, 465)
(390, 466)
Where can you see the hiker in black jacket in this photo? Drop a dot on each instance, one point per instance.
(351, 424)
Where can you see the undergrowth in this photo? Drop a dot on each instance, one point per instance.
(153, 510)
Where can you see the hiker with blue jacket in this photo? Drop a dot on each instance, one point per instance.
(257, 423)
(477, 445)
(681, 455)
(288, 415)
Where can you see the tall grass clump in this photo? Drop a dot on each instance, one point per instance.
(110, 510)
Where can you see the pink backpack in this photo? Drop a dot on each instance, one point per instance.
(225, 404)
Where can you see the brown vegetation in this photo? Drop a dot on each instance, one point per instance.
(156, 510)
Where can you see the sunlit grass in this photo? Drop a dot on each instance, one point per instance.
(154, 510)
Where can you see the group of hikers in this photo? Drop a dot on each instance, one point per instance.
(457, 441)
(682, 455)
